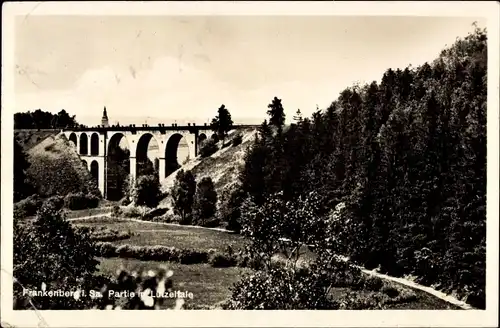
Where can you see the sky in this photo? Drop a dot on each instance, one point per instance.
(182, 68)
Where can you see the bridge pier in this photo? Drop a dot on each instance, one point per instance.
(161, 168)
(133, 167)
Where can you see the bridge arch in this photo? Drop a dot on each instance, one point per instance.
(94, 171)
(176, 152)
(147, 153)
(84, 144)
(118, 166)
(94, 144)
(73, 138)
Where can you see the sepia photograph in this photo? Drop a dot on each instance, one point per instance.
(202, 156)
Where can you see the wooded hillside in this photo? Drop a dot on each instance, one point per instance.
(407, 156)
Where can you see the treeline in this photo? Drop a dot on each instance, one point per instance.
(40, 119)
(407, 157)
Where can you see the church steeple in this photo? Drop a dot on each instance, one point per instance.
(104, 120)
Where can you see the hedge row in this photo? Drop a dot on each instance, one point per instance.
(173, 254)
(80, 201)
(108, 235)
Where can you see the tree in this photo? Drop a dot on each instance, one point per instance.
(205, 201)
(147, 191)
(58, 256)
(40, 119)
(276, 113)
(118, 170)
(183, 194)
(222, 123)
(22, 188)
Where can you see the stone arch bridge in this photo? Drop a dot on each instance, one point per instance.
(95, 144)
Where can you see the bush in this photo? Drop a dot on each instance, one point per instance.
(80, 201)
(154, 213)
(222, 260)
(373, 283)
(211, 223)
(131, 212)
(147, 191)
(237, 140)
(189, 256)
(116, 211)
(28, 206)
(57, 201)
(208, 148)
(279, 289)
(107, 234)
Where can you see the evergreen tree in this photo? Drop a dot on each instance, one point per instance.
(183, 194)
(222, 123)
(276, 113)
(205, 201)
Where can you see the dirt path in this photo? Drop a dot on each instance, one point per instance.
(447, 298)
(82, 218)
(179, 225)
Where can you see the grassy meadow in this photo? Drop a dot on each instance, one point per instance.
(211, 286)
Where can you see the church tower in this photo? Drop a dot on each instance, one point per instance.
(104, 120)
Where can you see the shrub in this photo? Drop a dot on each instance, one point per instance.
(237, 140)
(208, 148)
(28, 206)
(80, 201)
(222, 260)
(107, 234)
(106, 249)
(147, 191)
(279, 289)
(116, 211)
(169, 218)
(154, 213)
(373, 283)
(131, 212)
(188, 256)
(57, 201)
(211, 223)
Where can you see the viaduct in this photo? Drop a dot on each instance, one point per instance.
(96, 144)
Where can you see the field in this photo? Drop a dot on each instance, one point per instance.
(149, 233)
(210, 285)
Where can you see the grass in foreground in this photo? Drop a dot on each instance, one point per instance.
(209, 285)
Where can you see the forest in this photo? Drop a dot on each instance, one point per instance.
(407, 159)
(40, 119)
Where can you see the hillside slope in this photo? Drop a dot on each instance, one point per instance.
(222, 167)
(30, 138)
(56, 168)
